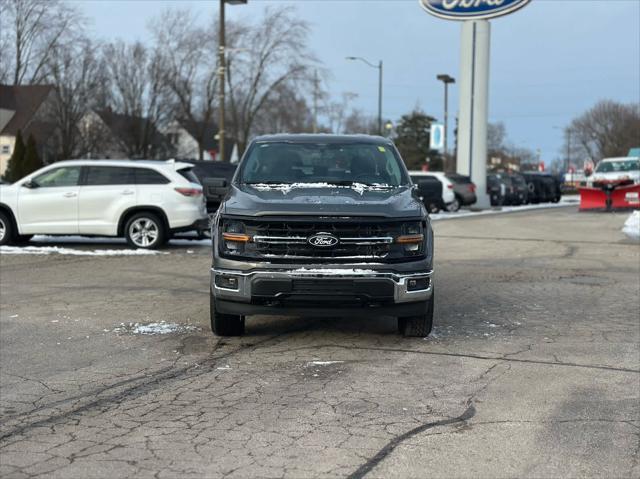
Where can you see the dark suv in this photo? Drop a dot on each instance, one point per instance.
(322, 225)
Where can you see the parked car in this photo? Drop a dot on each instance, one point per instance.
(144, 201)
(448, 195)
(322, 225)
(430, 192)
(496, 189)
(215, 177)
(463, 188)
(543, 187)
(520, 189)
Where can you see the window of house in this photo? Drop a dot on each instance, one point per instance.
(6, 149)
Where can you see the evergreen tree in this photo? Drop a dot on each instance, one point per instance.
(31, 160)
(15, 166)
(412, 140)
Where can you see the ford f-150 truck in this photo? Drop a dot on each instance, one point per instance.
(322, 225)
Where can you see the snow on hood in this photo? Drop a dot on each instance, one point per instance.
(285, 188)
(46, 250)
(631, 227)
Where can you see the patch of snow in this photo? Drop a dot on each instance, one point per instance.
(13, 316)
(322, 363)
(224, 368)
(333, 271)
(155, 328)
(46, 250)
(632, 226)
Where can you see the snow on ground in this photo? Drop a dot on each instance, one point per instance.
(46, 250)
(322, 363)
(155, 328)
(632, 226)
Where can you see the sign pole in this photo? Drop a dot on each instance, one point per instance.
(474, 100)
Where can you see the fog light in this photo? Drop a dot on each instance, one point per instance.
(417, 284)
(227, 282)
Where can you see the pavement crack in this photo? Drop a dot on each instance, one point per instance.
(368, 466)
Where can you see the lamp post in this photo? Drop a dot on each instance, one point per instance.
(446, 79)
(222, 68)
(379, 67)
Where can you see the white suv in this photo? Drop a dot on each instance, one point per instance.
(144, 201)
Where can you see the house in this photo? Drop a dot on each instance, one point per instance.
(183, 136)
(117, 136)
(24, 108)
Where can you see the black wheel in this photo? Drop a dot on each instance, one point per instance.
(7, 231)
(225, 324)
(418, 326)
(454, 205)
(145, 230)
(433, 209)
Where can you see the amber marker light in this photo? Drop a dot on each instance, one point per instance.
(410, 239)
(236, 237)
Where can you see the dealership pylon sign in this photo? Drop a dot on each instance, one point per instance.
(473, 85)
(471, 9)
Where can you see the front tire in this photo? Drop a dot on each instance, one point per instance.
(145, 231)
(418, 326)
(225, 324)
(454, 206)
(7, 232)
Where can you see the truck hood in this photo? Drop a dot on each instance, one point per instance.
(321, 199)
(616, 176)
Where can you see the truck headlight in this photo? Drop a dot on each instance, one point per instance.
(412, 239)
(233, 237)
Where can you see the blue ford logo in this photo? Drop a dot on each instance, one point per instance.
(471, 9)
(323, 240)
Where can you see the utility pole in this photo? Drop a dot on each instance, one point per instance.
(379, 67)
(315, 102)
(222, 69)
(446, 80)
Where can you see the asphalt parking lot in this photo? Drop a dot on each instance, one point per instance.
(533, 369)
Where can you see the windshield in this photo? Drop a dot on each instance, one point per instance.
(341, 164)
(618, 166)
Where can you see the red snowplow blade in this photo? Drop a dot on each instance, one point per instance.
(592, 199)
(626, 197)
(622, 198)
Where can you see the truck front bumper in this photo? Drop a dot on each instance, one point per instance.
(321, 290)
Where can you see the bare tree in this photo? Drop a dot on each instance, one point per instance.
(284, 111)
(609, 129)
(77, 74)
(274, 52)
(496, 138)
(336, 111)
(138, 76)
(29, 31)
(189, 59)
(359, 123)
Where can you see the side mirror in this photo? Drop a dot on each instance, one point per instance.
(30, 184)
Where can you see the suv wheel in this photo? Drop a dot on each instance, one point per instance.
(454, 205)
(145, 230)
(225, 324)
(6, 229)
(418, 326)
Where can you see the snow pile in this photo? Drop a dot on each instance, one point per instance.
(285, 188)
(46, 250)
(632, 226)
(155, 328)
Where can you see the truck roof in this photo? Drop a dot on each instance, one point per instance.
(323, 138)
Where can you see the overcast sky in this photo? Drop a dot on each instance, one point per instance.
(550, 61)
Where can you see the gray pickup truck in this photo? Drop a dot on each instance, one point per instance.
(322, 225)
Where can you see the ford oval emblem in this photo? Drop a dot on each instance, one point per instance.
(471, 9)
(323, 240)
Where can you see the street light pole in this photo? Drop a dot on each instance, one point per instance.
(222, 69)
(446, 79)
(379, 67)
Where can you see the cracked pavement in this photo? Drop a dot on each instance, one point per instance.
(533, 369)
